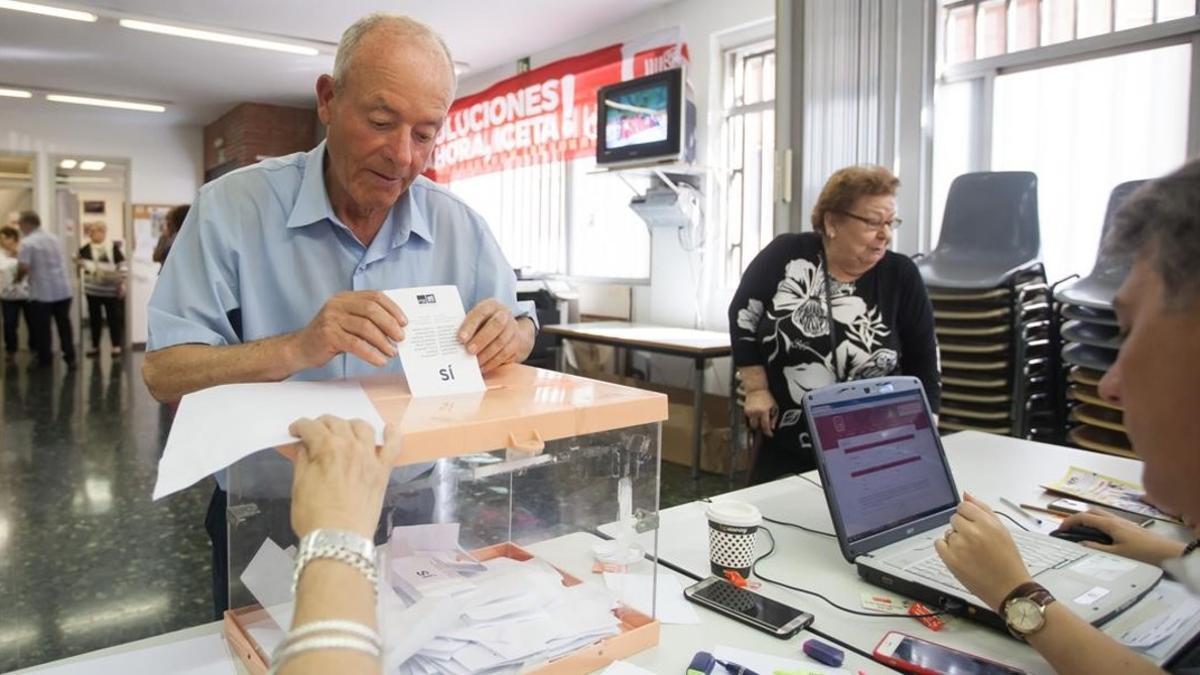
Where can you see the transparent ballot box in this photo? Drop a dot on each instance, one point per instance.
(537, 456)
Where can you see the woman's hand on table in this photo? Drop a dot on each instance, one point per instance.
(980, 552)
(1129, 540)
(340, 474)
(761, 411)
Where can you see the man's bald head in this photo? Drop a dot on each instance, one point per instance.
(403, 30)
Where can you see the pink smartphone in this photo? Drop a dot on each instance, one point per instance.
(914, 655)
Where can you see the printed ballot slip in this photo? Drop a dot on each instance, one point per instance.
(435, 362)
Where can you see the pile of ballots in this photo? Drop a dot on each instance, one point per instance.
(445, 612)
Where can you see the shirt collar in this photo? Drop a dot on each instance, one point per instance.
(313, 205)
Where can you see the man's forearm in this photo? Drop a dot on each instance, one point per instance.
(1074, 647)
(528, 336)
(175, 371)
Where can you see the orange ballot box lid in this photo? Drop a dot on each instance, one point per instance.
(522, 408)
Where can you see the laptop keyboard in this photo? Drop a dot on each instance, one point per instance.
(1039, 552)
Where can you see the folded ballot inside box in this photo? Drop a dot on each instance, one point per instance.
(507, 612)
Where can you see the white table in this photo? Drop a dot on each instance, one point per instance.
(571, 553)
(698, 345)
(988, 466)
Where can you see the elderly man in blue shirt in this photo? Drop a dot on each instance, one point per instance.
(279, 269)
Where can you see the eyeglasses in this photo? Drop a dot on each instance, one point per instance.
(876, 225)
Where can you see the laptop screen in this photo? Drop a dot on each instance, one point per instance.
(882, 461)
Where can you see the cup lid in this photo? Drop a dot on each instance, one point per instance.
(732, 512)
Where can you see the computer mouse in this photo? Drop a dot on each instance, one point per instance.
(1081, 533)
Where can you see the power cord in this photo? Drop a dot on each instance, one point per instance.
(800, 527)
(1012, 520)
(874, 615)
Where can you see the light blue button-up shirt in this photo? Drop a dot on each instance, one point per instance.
(48, 277)
(261, 251)
(262, 247)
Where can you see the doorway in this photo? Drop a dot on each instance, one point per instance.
(91, 214)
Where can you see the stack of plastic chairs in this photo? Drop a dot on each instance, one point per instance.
(1090, 343)
(992, 309)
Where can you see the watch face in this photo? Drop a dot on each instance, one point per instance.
(1024, 615)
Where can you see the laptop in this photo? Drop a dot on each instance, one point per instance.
(891, 494)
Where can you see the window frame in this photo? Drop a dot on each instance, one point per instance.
(752, 47)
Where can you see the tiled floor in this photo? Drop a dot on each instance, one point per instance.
(86, 559)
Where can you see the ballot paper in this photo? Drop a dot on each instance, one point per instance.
(503, 615)
(216, 427)
(435, 362)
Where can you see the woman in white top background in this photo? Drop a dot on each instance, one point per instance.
(103, 265)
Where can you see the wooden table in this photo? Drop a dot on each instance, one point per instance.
(697, 345)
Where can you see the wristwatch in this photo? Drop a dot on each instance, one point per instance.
(1024, 610)
(347, 547)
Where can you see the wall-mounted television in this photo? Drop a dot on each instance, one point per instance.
(647, 120)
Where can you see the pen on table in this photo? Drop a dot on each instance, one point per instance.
(734, 669)
(1022, 511)
(1043, 509)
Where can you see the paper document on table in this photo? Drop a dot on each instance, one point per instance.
(216, 427)
(637, 591)
(1160, 623)
(434, 360)
(1115, 493)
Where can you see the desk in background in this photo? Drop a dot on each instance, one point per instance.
(986, 465)
(697, 345)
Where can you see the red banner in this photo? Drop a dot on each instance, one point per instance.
(545, 114)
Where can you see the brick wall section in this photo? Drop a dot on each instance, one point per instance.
(251, 130)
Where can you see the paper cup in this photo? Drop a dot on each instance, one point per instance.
(732, 528)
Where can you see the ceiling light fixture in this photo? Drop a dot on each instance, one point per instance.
(68, 164)
(212, 36)
(106, 102)
(47, 10)
(16, 93)
(92, 165)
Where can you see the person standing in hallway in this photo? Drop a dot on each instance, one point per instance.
(41, 260)
(14, 295)
(104, 286)
(174, 222)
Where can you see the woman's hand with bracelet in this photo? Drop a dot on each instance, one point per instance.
(340, 474)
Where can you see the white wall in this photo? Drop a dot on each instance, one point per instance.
(671, 297)
(166, 163)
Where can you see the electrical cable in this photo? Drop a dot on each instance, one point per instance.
(1014, 520)
(874, 615)
(800, 527)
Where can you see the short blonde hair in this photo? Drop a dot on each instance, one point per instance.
(403, 26)
(846, 185)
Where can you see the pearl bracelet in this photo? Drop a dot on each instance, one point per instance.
(288, 650)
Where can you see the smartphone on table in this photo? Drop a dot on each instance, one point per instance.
(752, 609)
(914, 655)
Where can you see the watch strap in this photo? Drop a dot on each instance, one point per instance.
(1030, 590)
(350, 548)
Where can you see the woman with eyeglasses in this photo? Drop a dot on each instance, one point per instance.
(828, 306)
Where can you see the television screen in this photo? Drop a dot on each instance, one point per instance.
(645, 121)
(637, 116)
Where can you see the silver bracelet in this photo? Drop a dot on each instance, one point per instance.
(347, 547)
(288, 650)
(353, 628)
